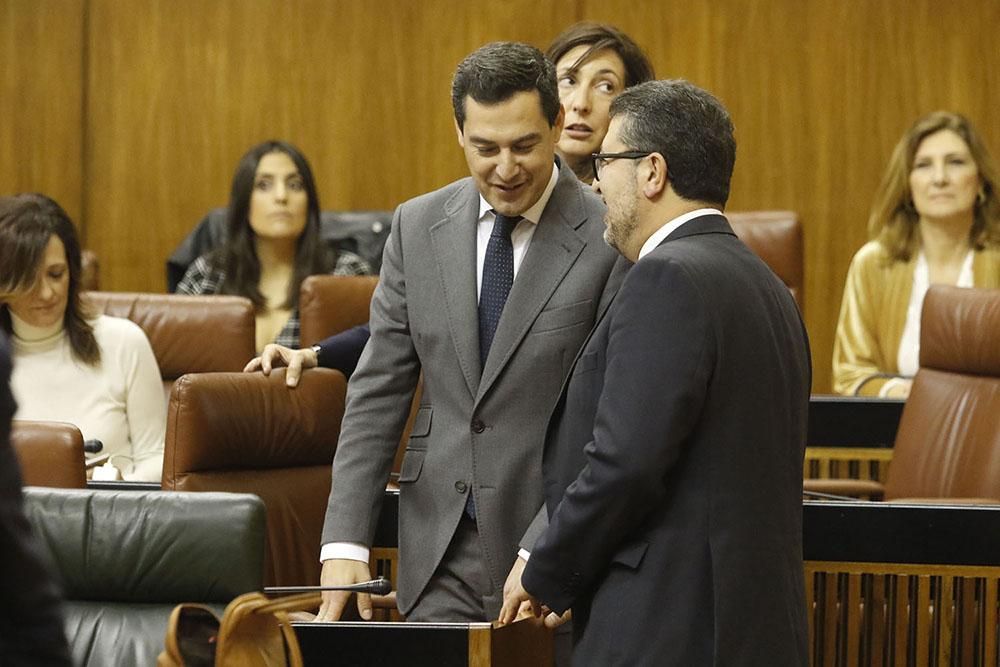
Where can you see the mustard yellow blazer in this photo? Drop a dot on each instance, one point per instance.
(873, 314)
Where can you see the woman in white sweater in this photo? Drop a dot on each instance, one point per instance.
(96, 372)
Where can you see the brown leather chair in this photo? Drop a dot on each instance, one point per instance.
(49, 453)
(249, 433)
(189, 334)
(776, 237)
(948, 444)
(331, 304)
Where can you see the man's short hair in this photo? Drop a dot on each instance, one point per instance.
(497, 71)
(689, 127)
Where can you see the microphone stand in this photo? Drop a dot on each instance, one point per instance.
(379, 586)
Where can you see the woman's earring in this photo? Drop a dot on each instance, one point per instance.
(981, 196)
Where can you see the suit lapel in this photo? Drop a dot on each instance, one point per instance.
(554, 248)
(454, 242)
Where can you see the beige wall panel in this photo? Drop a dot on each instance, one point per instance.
(820, 91)
(41, 102)
(180, 89)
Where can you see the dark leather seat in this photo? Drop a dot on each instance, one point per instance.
(247, 432)
(127, 558)
(50, 453)
(361, 232)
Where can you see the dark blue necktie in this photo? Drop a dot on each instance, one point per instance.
(498, 276)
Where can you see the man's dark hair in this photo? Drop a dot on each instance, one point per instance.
(689, 127)
(496, 72)
(599, 37)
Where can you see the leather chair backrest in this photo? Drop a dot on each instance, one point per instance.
(331, 304)
(50, 453)
(248, 432)
(127, 558)
(776, 237)
(189, 334)
(948, 444)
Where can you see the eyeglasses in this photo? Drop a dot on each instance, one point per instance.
(600, 160)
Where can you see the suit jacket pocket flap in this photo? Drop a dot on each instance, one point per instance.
(422, 422)
(413, 462)
(564, 316)
(631, 554)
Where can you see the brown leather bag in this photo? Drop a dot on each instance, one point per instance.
(254, 632)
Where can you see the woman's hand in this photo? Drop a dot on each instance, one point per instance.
(276, 356)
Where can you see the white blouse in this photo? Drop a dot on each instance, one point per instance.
(119, 401)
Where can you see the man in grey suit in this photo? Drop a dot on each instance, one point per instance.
(488, 287)
(673, 461)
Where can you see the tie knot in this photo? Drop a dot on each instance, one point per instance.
(503, 226)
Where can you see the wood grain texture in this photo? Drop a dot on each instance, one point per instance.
(41, 88)
(820, 92)
(180, 89)
(170, 93)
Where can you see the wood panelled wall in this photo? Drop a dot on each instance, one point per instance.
(133, 113)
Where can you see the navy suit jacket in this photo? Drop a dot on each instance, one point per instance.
(673, 466)
(343, 350)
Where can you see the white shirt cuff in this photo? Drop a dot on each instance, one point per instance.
(344, 550)
(524, 554)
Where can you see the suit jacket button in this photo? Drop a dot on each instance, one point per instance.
(461, 487)
(478, 426)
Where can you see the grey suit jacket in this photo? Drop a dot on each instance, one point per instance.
(478, 430)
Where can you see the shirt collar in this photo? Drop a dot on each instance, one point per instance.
(533, 214)
(663, 232)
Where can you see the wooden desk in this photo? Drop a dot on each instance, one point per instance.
(522, 644)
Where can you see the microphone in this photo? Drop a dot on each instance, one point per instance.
(92, 446)
(819, 495)
(380, 586)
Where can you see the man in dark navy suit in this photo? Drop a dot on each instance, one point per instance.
(673, 460)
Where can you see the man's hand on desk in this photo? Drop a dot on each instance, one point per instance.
(343, 572)
(518, 603)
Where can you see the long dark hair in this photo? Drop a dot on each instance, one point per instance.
(27, 222)
(238, 257)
